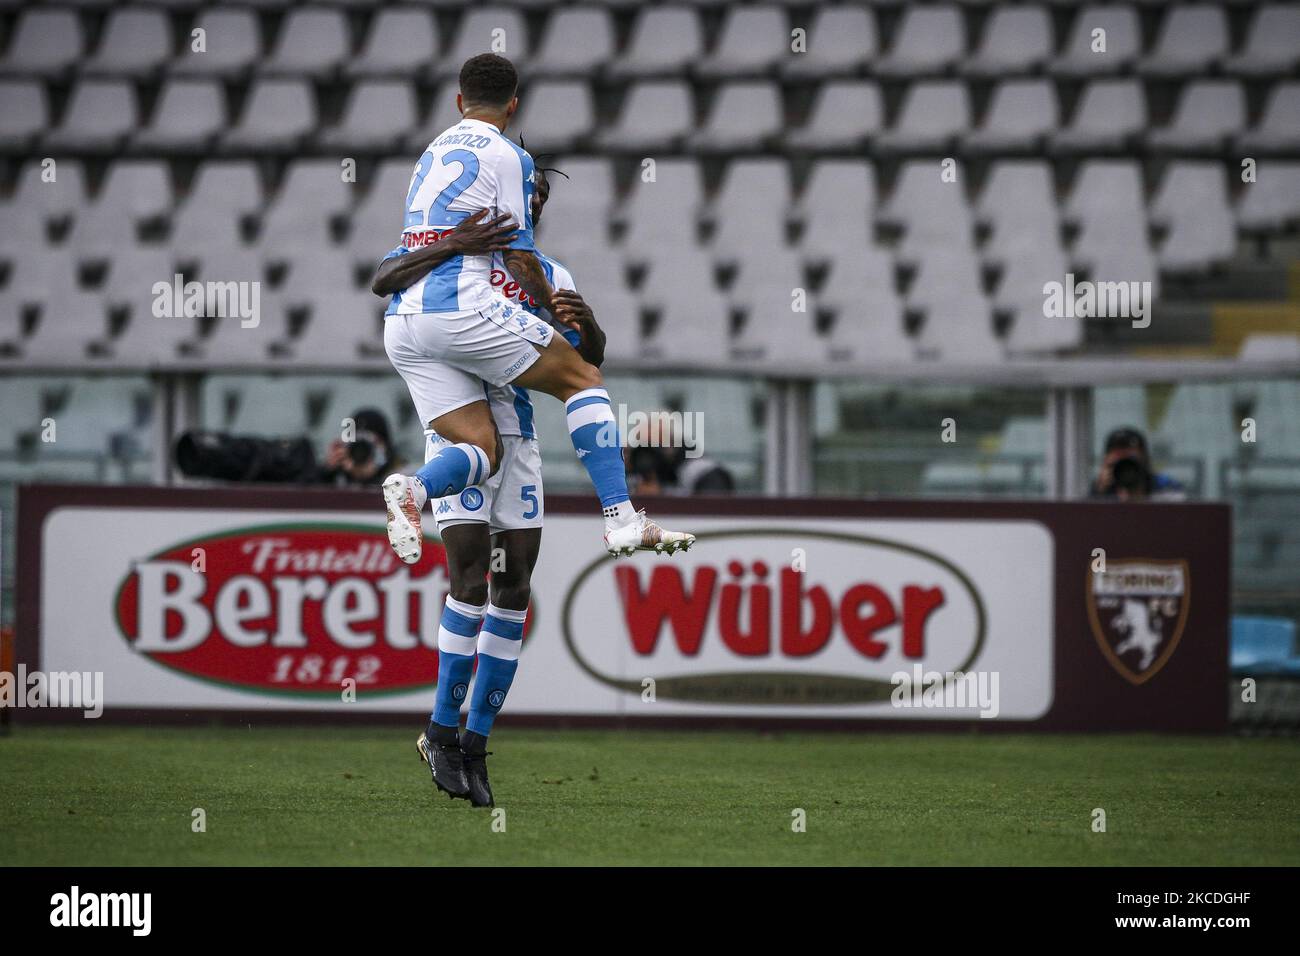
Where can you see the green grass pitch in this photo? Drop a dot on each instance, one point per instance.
(95, 795)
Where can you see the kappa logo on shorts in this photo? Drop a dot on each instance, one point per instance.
(1137, 608)
(471, 499)
(443, 507)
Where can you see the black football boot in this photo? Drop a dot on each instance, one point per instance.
(446, 762)
(474, 748)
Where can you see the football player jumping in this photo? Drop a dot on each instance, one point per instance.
(502, 516)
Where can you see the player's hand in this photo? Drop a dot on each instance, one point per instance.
(479, 236)
(570, 309)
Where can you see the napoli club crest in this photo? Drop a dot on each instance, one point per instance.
(1138, 608)
(471, 499)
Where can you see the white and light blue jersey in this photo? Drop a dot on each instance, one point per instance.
(470, 166)
(511, 406)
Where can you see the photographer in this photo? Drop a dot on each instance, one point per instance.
(1126, 473)
(365, 460)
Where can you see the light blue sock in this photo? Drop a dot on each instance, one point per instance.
(595, 438)
(457, 641)
(453, 469)
(499, 644)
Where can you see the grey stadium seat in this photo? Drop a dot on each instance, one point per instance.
(24, 113)
(221, 194)
(750, 208)
(376, 221)
(1016, 40)
(99, 116)
(835, 209)
(664, 209)
(68, 326)
(232, 44)
(1018, 206)
(133, 271)
(311, 42)
(933, 115)
(1107, 205)
(400, 41)
(693, 322)
(958, 320)
(1020, 116)
(136, 42)
(35, 202)
(575, 43)
(555, 115)
(1020, 292)
(664, 41)
(43, 43)
(1108, 115)
(929, 40)
(1190, 39)
(277, 117)
(752, 41)
(1123, 42)
(744, 115)
(480, 28)
(1278, 131)
(1192, 202)
(868, 323)
(655, 114)
(312, 193)
(339, 322)
(1272, 43)
(189, 115)
(844, 115)
(772, 330)
(133, 191)
(840, 41)
(377, 116)
(932, 212)
(442, 115)
(1272, 202)
(1209, 112)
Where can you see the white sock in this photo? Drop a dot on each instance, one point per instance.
(616, 516)
(418, 492)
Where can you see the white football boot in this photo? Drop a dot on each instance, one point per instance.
(642, 534)
(404, 502)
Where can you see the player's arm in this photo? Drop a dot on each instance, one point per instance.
(515, 178)
(475, 236)
(526, 269)
(572, 312)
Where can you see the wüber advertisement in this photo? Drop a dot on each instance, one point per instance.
(844, 618)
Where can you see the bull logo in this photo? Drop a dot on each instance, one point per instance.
(1138, 608)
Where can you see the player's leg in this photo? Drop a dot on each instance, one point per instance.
(452, 399)
(463, 525)
(562, 373)
(462, 616)
(517, 510)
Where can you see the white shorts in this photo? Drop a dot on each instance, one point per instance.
(510, 500)
(445, 357)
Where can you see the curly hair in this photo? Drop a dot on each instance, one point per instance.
(488, 80)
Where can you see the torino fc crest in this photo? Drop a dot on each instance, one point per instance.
(1138, 608)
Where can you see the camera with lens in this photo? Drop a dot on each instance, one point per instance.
(1131, 475)
(206, 454)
